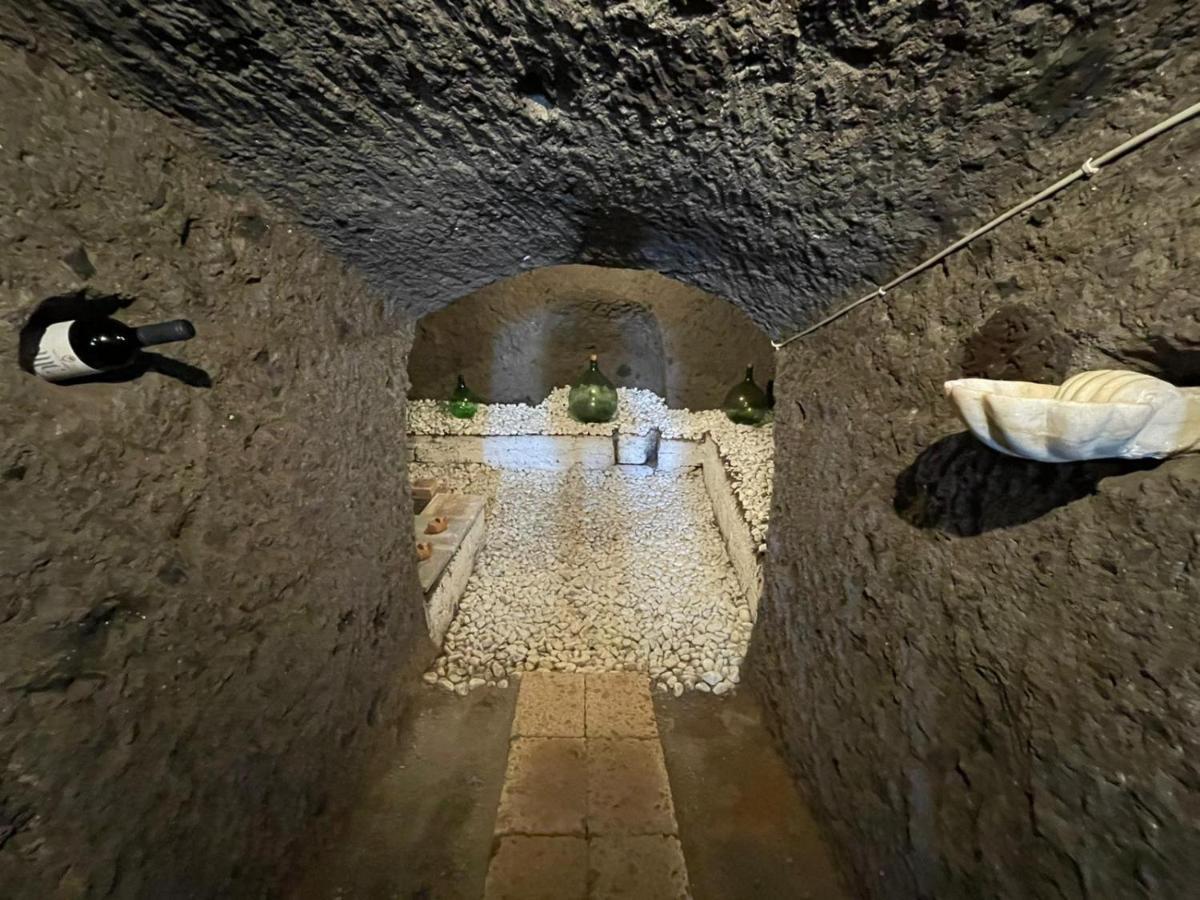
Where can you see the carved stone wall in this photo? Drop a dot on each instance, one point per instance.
(206, 594)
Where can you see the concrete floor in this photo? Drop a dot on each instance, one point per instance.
(422, 829)
(427, 827)
(746, 830)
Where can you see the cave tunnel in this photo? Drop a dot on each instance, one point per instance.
(286, 615)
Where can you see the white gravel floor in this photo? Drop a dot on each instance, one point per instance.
(747, 452)
(595, 570)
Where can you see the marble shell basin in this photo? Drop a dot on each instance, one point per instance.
(1100, 414)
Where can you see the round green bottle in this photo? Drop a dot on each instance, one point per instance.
(593, 398)
(746, 404)
(462, 404)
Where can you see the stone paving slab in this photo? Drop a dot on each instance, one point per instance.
(545, 788)
(636, 867)
(586, 808)
(539, 868)
(627, 788)
(618, 704)
(550, 704)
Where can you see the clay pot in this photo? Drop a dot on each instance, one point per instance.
(437, 525)
(424, 550)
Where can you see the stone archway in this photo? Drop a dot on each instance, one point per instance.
(518, 338)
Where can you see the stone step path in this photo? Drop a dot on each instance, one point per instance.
(586, 810)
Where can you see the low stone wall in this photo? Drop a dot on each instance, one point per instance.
(743, 553)
(464, 536)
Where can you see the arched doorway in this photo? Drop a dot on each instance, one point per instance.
(636, 545)
(518, 338)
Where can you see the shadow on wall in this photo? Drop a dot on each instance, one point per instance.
(960, 487)
(1163, 358)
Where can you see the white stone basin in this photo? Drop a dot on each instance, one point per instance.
(1100, 414)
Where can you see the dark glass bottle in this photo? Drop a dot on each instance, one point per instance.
(463, 404)
(82, 347)
(593, 398)
(745, 403)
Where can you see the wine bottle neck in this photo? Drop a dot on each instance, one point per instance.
(165, 332)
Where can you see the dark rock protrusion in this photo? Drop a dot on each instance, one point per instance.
(79, 263)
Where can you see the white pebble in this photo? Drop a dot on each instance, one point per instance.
(628, 574)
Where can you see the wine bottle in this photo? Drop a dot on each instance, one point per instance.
(81, 347)
(463, 403)
(593, 398)
(745, 403)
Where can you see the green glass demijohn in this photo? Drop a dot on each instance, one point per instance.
(463, 404)
(746, 404)
(593, 398)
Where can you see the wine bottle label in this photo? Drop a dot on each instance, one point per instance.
(55, 360)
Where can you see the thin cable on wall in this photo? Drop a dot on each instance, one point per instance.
(1089, 168)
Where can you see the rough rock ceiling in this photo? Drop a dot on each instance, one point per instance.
(778, 153)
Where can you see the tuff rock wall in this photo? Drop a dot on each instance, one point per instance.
(985, 669)
(206, 596)
(777, 154)
(516, 340)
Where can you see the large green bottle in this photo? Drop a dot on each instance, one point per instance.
(745, 403)
(593, 399)
(462, 404)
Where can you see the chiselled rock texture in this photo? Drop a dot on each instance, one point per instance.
(775, 153)
(516, 340)
(204, 592)
(985, 668)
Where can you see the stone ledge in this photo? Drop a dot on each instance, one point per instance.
(444, 575)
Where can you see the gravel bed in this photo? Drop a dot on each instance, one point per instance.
(595, 570)
(748, 453)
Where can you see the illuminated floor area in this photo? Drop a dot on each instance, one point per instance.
(594, 570)
(746, 453)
